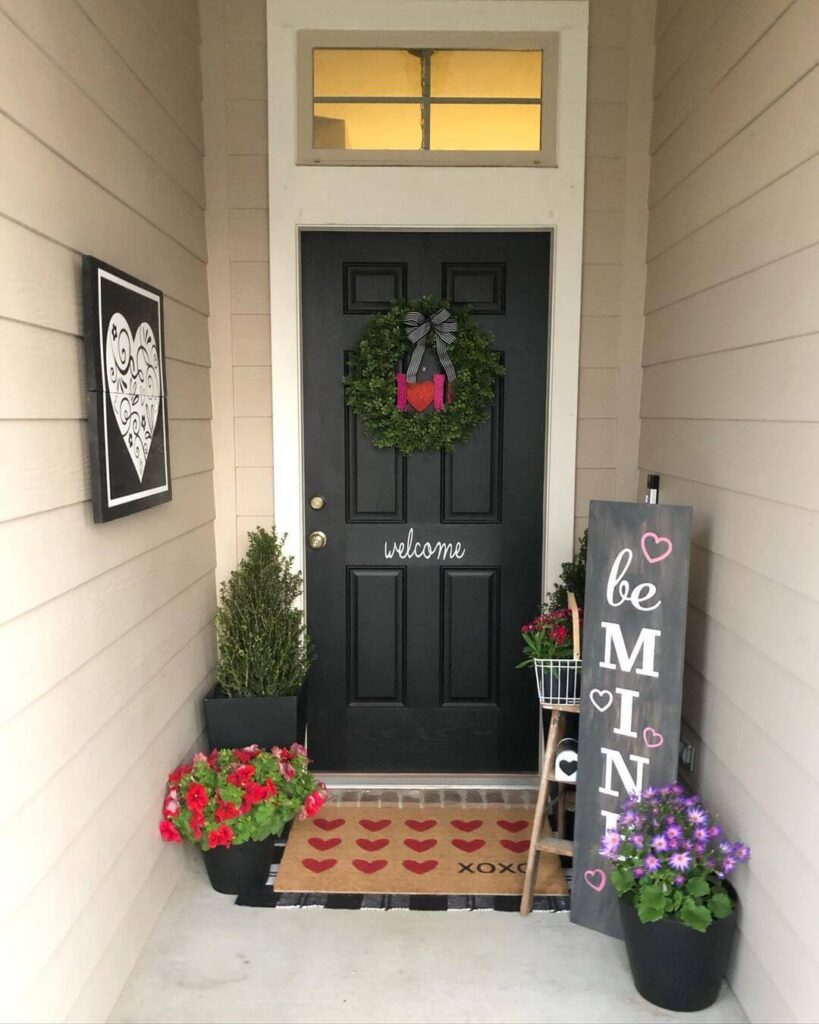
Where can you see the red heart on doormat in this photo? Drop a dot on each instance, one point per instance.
(374, 826)
(421, 826)
(318, 866)
(371, 845)
(328, 824)
(420, 845)
(513, 826)
(420, 395)
(515, 845)
(323, 844)
(420, 867)
(369, 867)
(469, 845)
(467, 826)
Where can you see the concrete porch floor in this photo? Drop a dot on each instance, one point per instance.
(210, 961)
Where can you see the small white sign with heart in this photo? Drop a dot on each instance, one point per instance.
(132, 377)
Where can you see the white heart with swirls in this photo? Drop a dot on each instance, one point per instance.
(132, 379)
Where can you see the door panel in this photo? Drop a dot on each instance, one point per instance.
(377, 636)
(417, 645)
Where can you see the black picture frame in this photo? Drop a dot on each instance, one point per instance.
(124, 326)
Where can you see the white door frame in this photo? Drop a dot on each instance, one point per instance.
(428, 198)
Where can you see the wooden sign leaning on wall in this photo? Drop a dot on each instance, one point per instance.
(633, 648)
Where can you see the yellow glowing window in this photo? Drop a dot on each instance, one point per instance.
(428, 99)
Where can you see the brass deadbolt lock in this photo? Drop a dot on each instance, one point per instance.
(317, 502)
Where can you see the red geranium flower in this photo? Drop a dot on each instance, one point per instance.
(197, 796)
(225, 811)
(314, 802)
(245, 754)
(197, 822)
(177, 773)
(222, 835)
(169, 832)
(255, 793)
(242, 775)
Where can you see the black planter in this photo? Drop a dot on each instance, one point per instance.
(235, 869)
(241, 721)
(674, 966)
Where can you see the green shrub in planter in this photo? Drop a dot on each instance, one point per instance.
(264, 650)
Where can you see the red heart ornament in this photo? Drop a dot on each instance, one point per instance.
(515, 845)
(318, 866)
(421, 826)
(420, 867)
(513, 826)
(469, 845)
(467, 826)
(374, 826)
(369, 867)
(323, 844)
(328, 824)
(420, 845)
(371, 845)
(420, 395)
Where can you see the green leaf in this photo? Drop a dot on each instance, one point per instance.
(653, 895)
(695, 916)
(697, 886)
(622, 878)
(720, 904)
(648, 910)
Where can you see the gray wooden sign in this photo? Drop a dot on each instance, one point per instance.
(633, 647)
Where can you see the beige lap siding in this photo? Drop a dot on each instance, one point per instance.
(106, 639)
(729, 421)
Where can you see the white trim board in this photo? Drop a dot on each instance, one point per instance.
(428, 198)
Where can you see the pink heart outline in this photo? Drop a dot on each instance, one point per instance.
(650, 535)
(595, 878)
(602, 705)
(652, 738)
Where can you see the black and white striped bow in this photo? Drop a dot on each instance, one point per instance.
(443, 326)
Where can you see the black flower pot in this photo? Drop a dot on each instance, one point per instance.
(235, 869)
(674, 966)
(241, 721)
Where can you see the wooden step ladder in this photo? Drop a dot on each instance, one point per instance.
(544, 840)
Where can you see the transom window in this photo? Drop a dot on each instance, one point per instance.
(427, 103)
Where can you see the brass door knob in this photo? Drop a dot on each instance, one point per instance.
(317, 502)
(317, 539)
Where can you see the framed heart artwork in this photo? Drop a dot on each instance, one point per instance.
(127, 391)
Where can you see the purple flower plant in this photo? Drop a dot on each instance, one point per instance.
(669, 859)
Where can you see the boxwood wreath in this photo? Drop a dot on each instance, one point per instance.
(370, 385)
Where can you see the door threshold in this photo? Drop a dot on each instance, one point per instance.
(414, 780)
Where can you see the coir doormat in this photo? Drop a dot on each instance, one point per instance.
(410, 851)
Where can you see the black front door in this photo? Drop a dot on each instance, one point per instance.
(416, 657)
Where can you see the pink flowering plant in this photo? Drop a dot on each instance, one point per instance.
(231, 796)
(670, 859)
(549, 636)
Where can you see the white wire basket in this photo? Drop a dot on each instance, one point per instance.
(558, 681)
